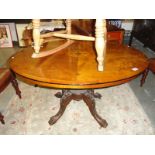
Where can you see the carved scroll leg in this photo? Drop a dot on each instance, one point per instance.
(2, 118)
(144, 75)
(15, 85)
(91, 105)
(65, 100)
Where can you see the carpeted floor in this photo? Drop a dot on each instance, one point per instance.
(119, 106)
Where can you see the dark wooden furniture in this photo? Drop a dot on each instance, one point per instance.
(74, 70)
(152, 64)
(2, 118)
(151, 67)
(144, 31)
(6, 76)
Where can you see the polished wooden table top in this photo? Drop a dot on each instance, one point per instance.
(76, 67)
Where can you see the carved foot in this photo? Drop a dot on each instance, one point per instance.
(55, 118)
(102, 122)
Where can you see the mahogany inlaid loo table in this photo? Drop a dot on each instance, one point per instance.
(74, 71)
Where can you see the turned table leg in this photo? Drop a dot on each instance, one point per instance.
(86, 95)
(2, 118)
(36, 34)
(15, 84)
(144, 75)
(100, 42)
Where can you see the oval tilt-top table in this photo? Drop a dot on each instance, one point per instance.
(74, 70)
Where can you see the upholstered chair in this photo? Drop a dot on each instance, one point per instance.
(6, 77)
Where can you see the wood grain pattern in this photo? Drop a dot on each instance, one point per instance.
(75, 67)
(55, 50)
(100, 39)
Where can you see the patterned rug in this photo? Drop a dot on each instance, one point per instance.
(118, 105)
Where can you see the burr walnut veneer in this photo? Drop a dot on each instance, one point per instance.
(74, 70)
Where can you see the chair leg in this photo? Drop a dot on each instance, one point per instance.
(130, 40)
(15, 85)
(36, 34)
(2, 118)
(144, 75)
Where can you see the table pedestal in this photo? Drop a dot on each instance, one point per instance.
(86, 95)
